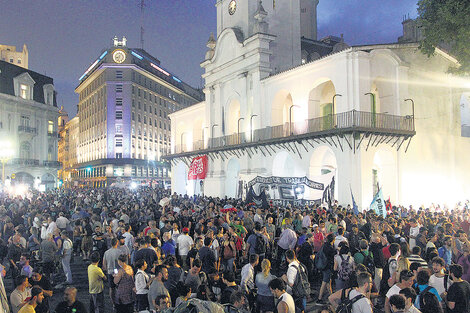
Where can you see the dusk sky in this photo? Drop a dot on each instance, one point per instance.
(65, 36)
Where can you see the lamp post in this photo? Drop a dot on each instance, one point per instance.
(238, 129)
(182, 145)
(333, 108)
(290, 118)
(6, 153)
(412, 107)
(251, 126)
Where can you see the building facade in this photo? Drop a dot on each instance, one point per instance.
(28, 120)
(125, 98)
(351, 120)
(10, 55)
(68, 143)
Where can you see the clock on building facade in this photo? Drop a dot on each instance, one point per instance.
(119, 56)
(232, 7)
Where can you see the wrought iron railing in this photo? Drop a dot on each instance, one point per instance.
(359, 121)
(54, 164)
(52, 134)
(27, 129)
(26, 162)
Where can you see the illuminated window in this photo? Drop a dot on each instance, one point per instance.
(118, 142)
(50, 127)
(24, 91)
(118, 129)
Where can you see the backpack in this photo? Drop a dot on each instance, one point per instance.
(346, 304)
(301, 287)
(419, 299)
(346, 268)
(369, 263)
(228, 252)
(384, 287)
(321, 261)
(260, 246)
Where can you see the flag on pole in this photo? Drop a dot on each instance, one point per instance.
(378, 204)
(355, 208)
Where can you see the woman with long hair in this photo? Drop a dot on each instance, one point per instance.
(265, 299)
(124, 280)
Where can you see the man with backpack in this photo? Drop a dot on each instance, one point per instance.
(422, 287)
(257, 243)
(390, 268)
(355, 300)
(297, 281)
(366, 257)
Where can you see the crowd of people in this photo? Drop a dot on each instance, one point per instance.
(150, 250)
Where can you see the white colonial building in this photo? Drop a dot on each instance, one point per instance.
(28, 121)
(280, 103)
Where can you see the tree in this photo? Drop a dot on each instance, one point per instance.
(446, 24)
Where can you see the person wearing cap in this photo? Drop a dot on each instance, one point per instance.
(37, 296)
(318, 238)
(184, 244)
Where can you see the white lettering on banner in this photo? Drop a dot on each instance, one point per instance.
(197, 167)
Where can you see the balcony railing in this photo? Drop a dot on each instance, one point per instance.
(53, 164)
(25, 162)
(27, 129)
(351, 121)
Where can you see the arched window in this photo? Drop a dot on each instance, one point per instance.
(25, 150)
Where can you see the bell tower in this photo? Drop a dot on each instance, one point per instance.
(282, 18)
(308, 19)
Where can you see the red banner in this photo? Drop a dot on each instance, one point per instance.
(198, 168)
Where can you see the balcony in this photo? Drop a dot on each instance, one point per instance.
(25, 162)
(337, 125)
(52, 134)
(52, 164)
(27, 129)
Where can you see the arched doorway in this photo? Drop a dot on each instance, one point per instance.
(48, 180)
(233, 114)
(384, 173)
(280, 110)
(320, 104)
(324, 166)
(23, 178)
(232, 178)
(180, 179)
(283, 165)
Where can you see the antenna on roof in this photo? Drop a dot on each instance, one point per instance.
(142, 5)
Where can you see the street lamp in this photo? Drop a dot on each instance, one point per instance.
(251, 126)
(6, 153)
(290, 118)
(182, 145)
(238, 129)
(333, 108)
(412, 106)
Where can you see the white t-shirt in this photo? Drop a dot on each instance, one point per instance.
(414, 231)
(438, 283)
(291, 274)
(287, 298)
(394, 290)
(362, 305)
(184, 243)
(339, 239)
